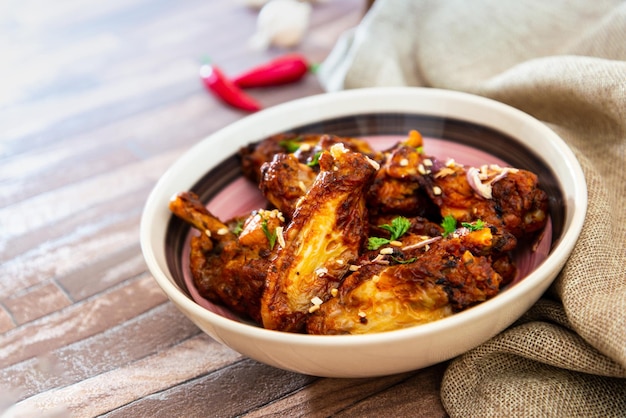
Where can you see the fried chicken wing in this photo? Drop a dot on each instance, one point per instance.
(396, 188)
(446, 278)
(226, 268)
(284, 181)
(305, 147)
(504, 197)
(323, 238)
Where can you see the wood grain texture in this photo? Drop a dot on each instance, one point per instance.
(97, 100)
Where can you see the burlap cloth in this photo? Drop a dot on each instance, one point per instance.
(564, 62)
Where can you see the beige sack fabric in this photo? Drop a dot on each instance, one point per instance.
(564, 62)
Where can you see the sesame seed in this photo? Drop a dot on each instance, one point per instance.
(280, 237)
(353, 267)
(395, 243)
(404, 162)
(305, 147)
(373, 163)
(314, 308)
(421, 169)
(321, 271)
(207, 232)
(362, 314)
(302, 186)
(428, 162)
(436, 190)
(317, 301)
(339, 261)
(375, 278)
(222, 231)
(386, 251)
(334, 292)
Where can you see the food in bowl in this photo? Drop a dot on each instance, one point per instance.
(356, 240)
(466, 127)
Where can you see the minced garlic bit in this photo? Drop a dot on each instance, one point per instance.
(334, 292)
(386, 251)
(321, 271)
(337, 149)
(279, 236)
(404, 162)
(362, 314)
(436, 190)
(317, 300)
(444, 172)
(373, 163)
(222, 231)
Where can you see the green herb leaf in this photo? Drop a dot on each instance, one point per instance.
(316, 159)
(271, 236)
(374, 243)
(407, 261)
(449, 225)
(398, 227)
(474, 226)
(238, 227)
(291, 145)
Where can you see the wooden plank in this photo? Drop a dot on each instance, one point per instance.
(107, 391)
(226, 393)
(36, 302)
(80, 320)
(153, 331)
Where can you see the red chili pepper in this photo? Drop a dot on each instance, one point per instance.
(216, 82)
(282, 70)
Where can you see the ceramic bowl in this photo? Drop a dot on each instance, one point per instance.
(454, 124)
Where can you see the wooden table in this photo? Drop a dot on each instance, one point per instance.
(97, 99)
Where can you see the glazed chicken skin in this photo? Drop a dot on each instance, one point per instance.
(304, 147)
(284, 181)
(507, 198)
(359, 241)
(447, 276)
(227, 268)
(396, 188)
(325, 235)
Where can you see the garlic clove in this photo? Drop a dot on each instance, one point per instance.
(281, 23)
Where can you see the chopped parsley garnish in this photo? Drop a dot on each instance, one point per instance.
(315, 160)
(238, 227)
(407, 261)
(271, 236)
(474, 226)
(449, 225)
(420, 149)
(399, 226)
(291, 145)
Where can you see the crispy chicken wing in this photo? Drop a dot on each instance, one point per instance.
(226, 268)
(323, 238)
(504, 197)
(284, 181)
(445, 278)
(305, 147)
(396, 188)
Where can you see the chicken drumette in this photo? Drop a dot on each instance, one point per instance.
(229, 268)
(325, 235)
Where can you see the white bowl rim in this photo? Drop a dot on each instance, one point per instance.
(360, 99)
